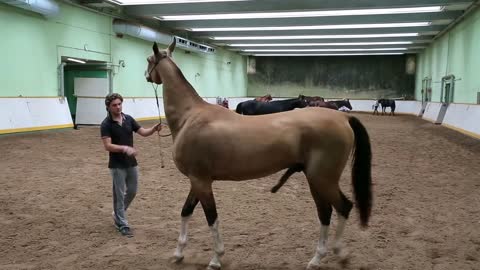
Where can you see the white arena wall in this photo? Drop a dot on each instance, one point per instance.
(464, 118)
(431, 111)
(25, 114)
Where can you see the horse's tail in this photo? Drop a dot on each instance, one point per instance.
(295, 168)
(239, 108)
(361, 170)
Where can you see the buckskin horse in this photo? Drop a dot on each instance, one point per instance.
(208, 146)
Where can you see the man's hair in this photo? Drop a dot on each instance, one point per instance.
(111, 97)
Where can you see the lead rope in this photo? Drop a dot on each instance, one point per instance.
(162, 163)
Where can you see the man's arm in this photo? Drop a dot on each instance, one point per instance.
(149, 131)
(110, 147)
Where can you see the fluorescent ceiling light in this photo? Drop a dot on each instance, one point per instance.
(302, 14)
(327, 54)
(318, 36)
(160, 2)
(76, 60)
(325, 50)
(114, 2)
(318, 44)
(311, 27)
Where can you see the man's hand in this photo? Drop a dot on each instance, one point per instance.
(157, 127)
(130, 151)
(149, 131)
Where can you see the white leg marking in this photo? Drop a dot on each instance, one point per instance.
(338, 246)
(321, 250)
(217, 246)
(182, 239)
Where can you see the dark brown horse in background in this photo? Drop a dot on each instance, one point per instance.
(311, 99)
(333, 104)
(265, 98)
(213, 143)
(341, 103)
(324, 104)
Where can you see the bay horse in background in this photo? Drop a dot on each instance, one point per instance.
(253, 107)
(324, 104)
(334, 104)
(213, 143)
(311, 99)
(265, 98)
(384, 103)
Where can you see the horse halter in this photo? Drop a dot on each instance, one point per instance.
(154, 66)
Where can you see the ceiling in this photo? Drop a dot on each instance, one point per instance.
(341, 27)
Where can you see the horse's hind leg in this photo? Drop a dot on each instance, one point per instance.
(203, 191)
(325, 197)
(186, 214)
(324, 211)
(343, 206)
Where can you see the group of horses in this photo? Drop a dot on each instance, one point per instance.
(265, 105)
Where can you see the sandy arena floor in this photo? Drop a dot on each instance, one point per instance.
(56, 203)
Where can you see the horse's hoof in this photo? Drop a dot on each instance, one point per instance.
(343, 255)
(313, 266)
(212, 266)
(344, 262)
(178, 258)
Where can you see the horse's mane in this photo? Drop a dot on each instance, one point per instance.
(180, 75)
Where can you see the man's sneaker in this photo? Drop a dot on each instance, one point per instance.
(125, 231)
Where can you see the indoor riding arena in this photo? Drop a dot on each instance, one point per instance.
(376, 100)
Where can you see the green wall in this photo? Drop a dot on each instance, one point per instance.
(371, 77)
(32, 47)
(457, 52)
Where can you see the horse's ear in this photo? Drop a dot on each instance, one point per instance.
(171, 47)
(155, 48)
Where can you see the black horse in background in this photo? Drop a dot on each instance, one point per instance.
(253, 107)
(384, 103)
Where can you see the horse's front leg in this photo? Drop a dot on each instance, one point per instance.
(186, 214)
(203, 191)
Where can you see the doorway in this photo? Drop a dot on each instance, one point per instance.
(74, 71)
(426, 94)
(446, 96)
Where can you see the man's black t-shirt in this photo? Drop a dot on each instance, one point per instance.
(121, 135)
